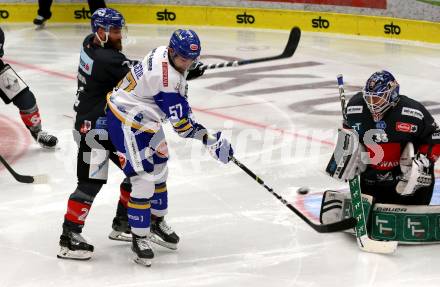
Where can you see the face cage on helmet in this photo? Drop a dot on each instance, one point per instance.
(124, 32)
(194, 61)
(378, 103)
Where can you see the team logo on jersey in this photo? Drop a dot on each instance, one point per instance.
(86, 126)
(381, 125)
(406, 127)
(194, 47)
(150, 59)
(165, 74)
(85, 63)
(122, 160)
(10, 82)
(138, 70)
(357, 127)
(101, 123)
(387, 176)
(162, 150)
(355, 110)
(412, 113)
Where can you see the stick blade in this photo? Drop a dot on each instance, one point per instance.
(373, 246)
(41, 179)
(37, 179)
(292, 43)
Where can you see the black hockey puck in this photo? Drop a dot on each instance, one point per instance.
(303, 190)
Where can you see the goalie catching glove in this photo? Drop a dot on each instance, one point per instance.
(416, 171)
(346, 161)
(219, 147)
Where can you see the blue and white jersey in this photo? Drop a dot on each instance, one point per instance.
(152, 92)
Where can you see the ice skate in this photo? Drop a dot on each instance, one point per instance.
(44, 139)
(141, 246)
(74, 246)
(162, 234)
(121, 230)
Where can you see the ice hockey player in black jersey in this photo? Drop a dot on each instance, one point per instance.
(390, 142)
(14, 89)
(402, 139)
(101, 67)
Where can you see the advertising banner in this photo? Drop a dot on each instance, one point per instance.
(378, 4)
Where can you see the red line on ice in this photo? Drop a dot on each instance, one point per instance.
(212, 113)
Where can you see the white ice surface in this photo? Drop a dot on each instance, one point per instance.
(233, 232)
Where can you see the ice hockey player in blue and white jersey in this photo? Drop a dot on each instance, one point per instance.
(153, 92)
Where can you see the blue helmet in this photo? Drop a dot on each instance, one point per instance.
(186, 44)
(381, 92)
(106, 18)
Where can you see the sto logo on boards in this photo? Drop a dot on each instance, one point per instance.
(245, 18)
(392, 29)
(82, 14)
(4, 14)
(320, 23)
(165, 15)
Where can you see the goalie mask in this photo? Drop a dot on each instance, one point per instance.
(381, 92)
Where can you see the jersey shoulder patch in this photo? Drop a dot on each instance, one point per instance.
(355, 110)
(85, 62)
(407, 111)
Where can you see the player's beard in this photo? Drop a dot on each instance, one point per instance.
(115, 44)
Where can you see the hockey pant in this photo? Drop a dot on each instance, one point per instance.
(92, 168)
(143, 157)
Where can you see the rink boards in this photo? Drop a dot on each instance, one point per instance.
(383, 27)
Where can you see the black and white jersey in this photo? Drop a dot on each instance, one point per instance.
(100, 69)
(408, 121)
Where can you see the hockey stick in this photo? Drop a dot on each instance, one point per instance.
(365, 243)
(292, 44)
(321, 228)
(38, 179)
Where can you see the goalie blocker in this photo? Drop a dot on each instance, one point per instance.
(349, 157)
(407, 224)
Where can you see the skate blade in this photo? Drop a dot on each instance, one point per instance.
(66, 253)
(120, 236)
(142, 261)
(157, 240)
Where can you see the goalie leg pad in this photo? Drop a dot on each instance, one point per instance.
(332, 206)
(10, 84)
(336, 206)
(408, 224)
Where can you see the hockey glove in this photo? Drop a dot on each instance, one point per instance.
(219, 148)
(346, 161)
(416, 171)
(195, 72)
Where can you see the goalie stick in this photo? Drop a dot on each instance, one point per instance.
(37, 179)
(289, 50)
(321, 228)
(365, 243)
